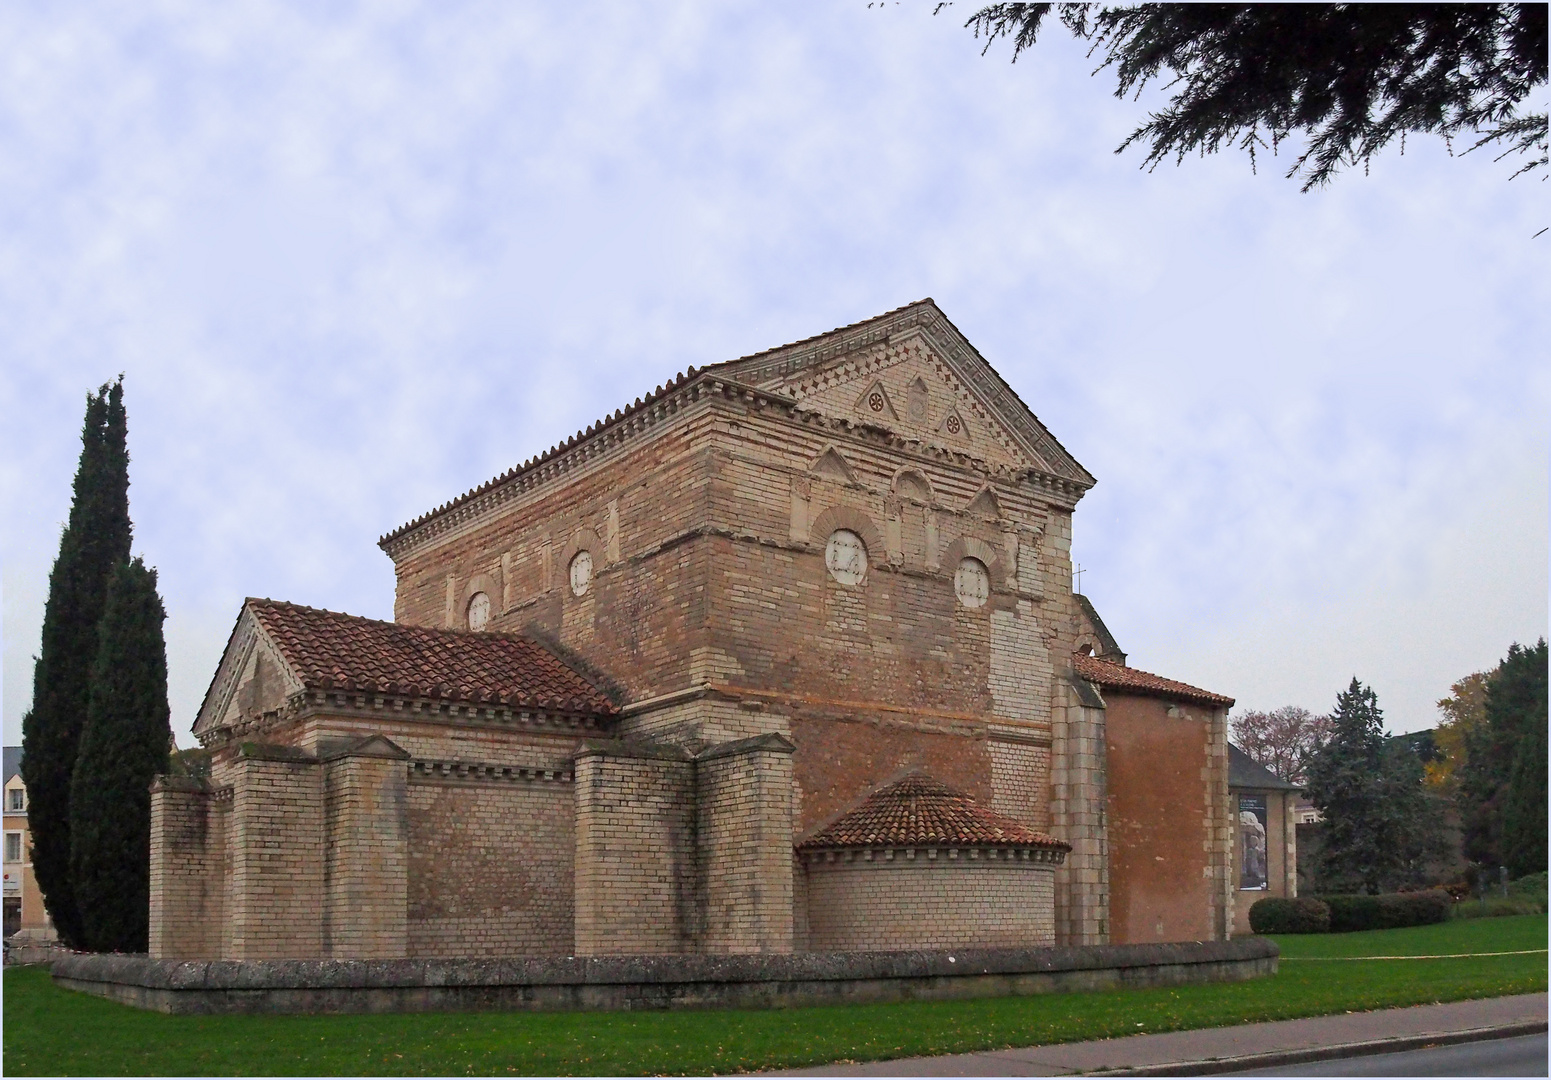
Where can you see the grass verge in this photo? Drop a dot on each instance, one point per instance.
(56, 1032)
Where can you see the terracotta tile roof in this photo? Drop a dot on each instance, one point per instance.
(331, 651)
(919, 811)
(1135, 681)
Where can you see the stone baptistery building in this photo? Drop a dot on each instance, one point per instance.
(783, 656)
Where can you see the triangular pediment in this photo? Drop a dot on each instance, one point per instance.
(875, 404)
(831, 464)
(926, 371)
(985, 504)
(252, 678)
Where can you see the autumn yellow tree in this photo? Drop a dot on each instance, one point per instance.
(1464, 712)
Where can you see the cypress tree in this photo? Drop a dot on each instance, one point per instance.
(123, 747)
(95, 540)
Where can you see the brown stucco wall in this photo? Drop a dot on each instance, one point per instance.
(1164, 819)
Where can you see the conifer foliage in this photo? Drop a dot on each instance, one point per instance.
(1380, 825)
(1502, 792)
(95, 540)
(123, 747)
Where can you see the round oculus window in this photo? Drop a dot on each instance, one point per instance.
(846, 557)
(479, 611)
(972, 583)
(581, 572)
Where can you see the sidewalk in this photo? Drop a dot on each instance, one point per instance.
(1246, 1046)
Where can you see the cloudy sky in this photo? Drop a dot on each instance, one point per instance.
(356, 259)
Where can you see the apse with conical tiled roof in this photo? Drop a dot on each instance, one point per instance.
(919, 811)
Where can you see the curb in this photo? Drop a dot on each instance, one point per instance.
(1273, 1058)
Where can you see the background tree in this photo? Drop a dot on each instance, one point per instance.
(123, 747)
(1282, 740)
(95, 540)
(1351, 77)
(1498, 781)
(1464, 710)
(1377, 827)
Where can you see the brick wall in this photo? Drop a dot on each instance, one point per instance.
(744, 842)
(635, 852)
(490, 867)
(866, 901)
(1020, 777)
(187, 862)
(277, 847)
(365, 871)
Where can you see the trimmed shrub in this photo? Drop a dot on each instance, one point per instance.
(1388, 910)
(1300, 915)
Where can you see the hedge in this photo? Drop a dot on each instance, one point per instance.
(1388, 910)
(1302, 915)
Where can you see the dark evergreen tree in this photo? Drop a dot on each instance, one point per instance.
(95, 540)
(123, 747)
(1497, 774)
(1370, 796)
(1350, 77)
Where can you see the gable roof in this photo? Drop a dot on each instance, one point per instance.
(328, 650)
(13, 762)
(773, 367)
(1245, 772)
(1134, 681)
(758, 369)
(920, 811)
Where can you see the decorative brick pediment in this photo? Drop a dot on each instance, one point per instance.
(913, 372)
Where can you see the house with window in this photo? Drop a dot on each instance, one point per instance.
(24, 912)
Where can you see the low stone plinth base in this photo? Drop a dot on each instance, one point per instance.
(650, 982)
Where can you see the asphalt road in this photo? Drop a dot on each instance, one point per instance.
(1522, 1056)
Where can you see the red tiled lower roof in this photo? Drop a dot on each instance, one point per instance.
(331, 651)
(1142, 682)
(919, 811)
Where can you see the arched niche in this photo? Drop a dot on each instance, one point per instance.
(849, 517)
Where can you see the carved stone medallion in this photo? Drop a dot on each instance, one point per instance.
(479, 611)
(581, 573)
(846, 557)
(972, 583)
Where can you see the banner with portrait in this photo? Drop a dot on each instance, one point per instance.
(1254, 852)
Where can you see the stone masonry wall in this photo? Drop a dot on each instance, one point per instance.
(953, 901)
(744, 841)
(366, 871)
(491, 867)
(1078, 815)
(278, 851)
(635, 853)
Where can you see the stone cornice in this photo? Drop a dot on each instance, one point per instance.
(628, 425)
(942, 855)
(352, 704)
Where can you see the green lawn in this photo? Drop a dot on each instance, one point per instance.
(52, 1031)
